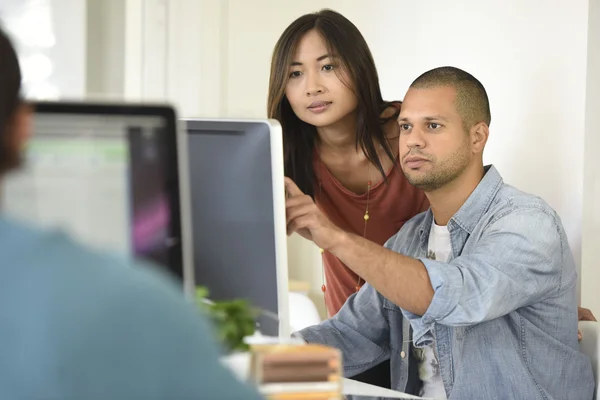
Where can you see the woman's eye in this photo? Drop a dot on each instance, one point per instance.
(295, 74)
(328, 67)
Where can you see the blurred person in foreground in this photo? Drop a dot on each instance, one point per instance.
(78, 324)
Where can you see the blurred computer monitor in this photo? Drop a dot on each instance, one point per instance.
(108, 174)
(238, 214)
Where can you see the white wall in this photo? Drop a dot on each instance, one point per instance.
(531, 56)
(590, 279)
(50, 36)
(105, 55)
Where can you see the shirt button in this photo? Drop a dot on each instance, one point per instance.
(402, 354)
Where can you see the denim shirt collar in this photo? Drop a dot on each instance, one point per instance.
(470, 213)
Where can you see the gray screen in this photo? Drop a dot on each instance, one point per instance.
(232, 213)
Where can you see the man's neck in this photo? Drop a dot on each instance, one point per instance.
(447, 200)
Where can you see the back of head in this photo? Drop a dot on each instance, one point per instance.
(346, 43)
(472, 102)
(10, 100)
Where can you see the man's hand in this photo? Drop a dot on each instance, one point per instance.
(584, 314)
(304, 217)
(403, 280)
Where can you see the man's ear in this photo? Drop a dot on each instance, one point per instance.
(479, 136)
(14, 138)
(21, 127)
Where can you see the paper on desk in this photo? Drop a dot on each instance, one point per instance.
(354, 388)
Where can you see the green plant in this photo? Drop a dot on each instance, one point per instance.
(233, 320)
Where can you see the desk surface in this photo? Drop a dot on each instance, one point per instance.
(239, 364)
(355, 388)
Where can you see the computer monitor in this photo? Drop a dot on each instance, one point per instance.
(108, 174)
(238, 214)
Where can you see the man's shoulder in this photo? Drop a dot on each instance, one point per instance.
(512, 200)
(53, 274)
(103, 317)
(57, 266)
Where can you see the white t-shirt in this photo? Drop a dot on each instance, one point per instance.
(440, 249)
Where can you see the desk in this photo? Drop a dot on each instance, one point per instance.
(239, 363)
(359, 390)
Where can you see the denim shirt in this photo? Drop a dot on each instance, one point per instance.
(504, 312)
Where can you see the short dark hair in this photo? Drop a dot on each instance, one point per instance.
(10, 99)
(472, 100)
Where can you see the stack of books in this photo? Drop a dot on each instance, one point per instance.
(294, 372)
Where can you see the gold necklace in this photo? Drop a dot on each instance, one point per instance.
(366, 220)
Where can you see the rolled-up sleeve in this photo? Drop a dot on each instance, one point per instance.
(360, 330)
(518, 260)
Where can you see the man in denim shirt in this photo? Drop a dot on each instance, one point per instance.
(498, 313)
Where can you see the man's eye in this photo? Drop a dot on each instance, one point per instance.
(404, 127)
(434, 125)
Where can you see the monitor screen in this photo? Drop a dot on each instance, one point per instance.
(238, 214)
(107, 175)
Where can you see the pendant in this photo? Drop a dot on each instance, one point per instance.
(323, 288)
